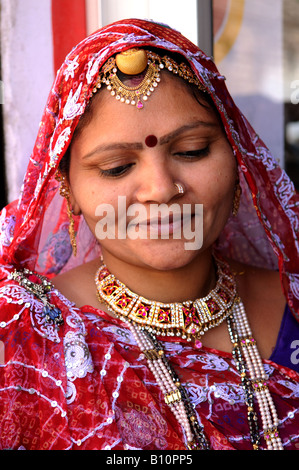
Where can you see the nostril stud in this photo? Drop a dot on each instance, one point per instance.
(180, 188)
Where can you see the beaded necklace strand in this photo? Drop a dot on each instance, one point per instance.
(253, 378)
(245, 353)
(244, 350)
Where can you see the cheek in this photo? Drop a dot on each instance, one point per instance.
(97, 200)
(224, 185)
(86, 194)
(213, 187)
(213, 184)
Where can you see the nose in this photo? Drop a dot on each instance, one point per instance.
(156, 182)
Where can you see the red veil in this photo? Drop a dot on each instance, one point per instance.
(34, 229)
(265, 233)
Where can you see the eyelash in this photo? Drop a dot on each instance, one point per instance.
(116, 171)
(195, 153)
(189, 155)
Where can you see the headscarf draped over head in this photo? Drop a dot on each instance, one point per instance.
(34, 229)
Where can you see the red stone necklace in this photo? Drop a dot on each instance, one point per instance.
(189, 319)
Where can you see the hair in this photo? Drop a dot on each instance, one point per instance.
(203, 98)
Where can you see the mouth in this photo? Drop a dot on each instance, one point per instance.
(163, 226)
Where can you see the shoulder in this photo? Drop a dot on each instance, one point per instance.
(257, 283)
(78, 284)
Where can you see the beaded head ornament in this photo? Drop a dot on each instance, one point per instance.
(147, 66)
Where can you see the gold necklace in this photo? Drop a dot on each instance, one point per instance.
(189, 319)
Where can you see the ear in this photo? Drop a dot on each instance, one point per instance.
(73, 203)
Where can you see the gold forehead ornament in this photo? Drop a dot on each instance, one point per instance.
(144, 68)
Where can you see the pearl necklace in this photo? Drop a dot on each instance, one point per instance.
(245, 353)
(174, 394)
(250, 366)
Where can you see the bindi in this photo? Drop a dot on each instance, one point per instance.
(151, 141)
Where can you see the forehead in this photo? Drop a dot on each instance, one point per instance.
(172, 104)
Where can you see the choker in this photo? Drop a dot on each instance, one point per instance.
(188, 320)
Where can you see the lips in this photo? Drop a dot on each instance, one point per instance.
(167, 225)
(164, 221)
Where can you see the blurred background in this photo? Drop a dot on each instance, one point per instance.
(255, 45)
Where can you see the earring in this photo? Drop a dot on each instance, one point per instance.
(65, 192)
(180, 188)
(237, 198)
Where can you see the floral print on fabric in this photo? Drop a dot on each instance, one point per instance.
(92, 389)
(7, 225)
(141, 430)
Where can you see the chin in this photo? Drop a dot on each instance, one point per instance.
(164, 257)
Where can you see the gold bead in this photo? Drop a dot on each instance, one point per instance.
(132, 61)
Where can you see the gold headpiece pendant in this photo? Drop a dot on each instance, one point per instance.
(147, 66)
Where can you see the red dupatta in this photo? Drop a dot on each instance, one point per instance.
(34, 234)
(34, 229)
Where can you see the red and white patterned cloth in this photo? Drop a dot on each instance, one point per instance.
(87, 386)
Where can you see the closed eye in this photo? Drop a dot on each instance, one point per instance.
(194, 153)
(122, 169)
(116, 171)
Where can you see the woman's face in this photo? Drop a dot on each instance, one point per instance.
(125, 156)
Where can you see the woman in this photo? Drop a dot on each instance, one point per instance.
(173, 243)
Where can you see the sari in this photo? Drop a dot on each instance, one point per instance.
(86, 385)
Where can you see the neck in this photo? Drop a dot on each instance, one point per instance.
(188, 282)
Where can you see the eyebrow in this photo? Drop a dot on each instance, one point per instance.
(181, 130)
(139, 145)
(114, 146)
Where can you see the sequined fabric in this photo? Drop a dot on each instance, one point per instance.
(89, 387)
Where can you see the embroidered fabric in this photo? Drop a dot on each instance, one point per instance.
(93, 389)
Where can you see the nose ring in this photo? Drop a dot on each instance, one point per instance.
(180, 188)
